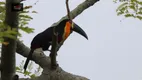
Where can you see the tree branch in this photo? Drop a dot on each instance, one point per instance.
(53, 53)
(44, 61)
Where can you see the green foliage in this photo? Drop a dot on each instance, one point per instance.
(130, 8)
(28, 72)
(9, 33)
(24, 18)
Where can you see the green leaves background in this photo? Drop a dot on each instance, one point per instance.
(130, 8)
(24, 18)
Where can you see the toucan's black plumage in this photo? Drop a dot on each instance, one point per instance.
(44, 39)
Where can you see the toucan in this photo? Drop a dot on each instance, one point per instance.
(44, 39)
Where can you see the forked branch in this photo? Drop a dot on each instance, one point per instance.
(55, 45)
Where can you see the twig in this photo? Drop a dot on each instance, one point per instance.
(54, 50)
(68, 9)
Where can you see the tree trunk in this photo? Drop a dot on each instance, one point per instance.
(8, 51)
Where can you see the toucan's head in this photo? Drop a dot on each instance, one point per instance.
(71, 26)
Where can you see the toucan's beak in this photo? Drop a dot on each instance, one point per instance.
(77, 29)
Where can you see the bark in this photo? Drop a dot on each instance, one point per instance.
(8, 51)
(44, 61)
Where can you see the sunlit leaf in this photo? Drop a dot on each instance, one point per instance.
(27, 73)
(27, 7)
(139, 13)
(119, 13)
(26, 29)
(139, 2)
(17, 68)
(24, 11)
(132, 7)
(25, 16)
(122, 5)
(129, 15)
(139, 17)
(34, 12)
(33, 76)
(2, 3)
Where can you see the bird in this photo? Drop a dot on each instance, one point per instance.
(44, 39)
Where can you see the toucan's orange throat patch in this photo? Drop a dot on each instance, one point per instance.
(67, 30)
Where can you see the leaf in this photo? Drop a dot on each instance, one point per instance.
(120, 13)
(139, 12)
(25, 23)
(123, 9)
(2, 8)
(30, 66)
(25, 16)
(24, 11)
(24, 19)
(140, 8)
(1, 40)
(139, 17)
(132, 7)
(17, 68)
(34, 12)
(121, 6)
(133, 1)
(129, 15)
(2, 3)
(10, 36)
(10, 33)
(26, 29)
(139, 2)
(27, 73)
(27, 7)
(33, 76)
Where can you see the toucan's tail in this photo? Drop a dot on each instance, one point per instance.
(28, 59)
